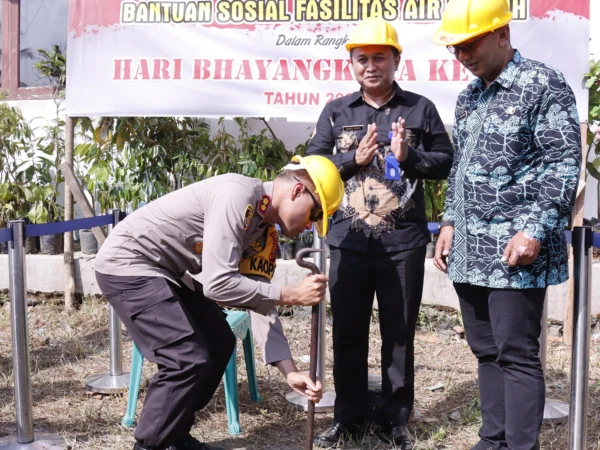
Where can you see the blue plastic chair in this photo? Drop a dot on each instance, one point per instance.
(239, 321)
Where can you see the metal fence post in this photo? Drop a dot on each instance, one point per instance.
(25, 438)
(115, 380)
(326, 403)
(582, 266)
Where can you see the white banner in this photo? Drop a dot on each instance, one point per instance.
(280, 58)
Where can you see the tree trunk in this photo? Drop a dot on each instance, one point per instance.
(68, 240)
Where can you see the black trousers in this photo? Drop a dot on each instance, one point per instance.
(189, 339)
(503, 328)
(397, 279)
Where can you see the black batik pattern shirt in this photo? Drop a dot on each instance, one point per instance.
(378, 214)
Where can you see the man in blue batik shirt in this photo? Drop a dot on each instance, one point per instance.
(511, 190)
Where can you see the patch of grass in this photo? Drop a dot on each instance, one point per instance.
(68, 348)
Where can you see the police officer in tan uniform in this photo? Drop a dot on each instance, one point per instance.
(206, 229)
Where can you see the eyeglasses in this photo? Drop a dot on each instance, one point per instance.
(316, 212)
(465, 48)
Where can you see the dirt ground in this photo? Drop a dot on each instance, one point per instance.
(66, 349)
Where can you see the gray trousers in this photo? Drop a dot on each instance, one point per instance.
(189, 339)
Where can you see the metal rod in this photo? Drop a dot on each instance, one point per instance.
(115, 380)
(20, 335)
(314, 345)
(582, 265)
(328, 400)
(116, 337)
(114, 324)
(544, 336)
(320, 260)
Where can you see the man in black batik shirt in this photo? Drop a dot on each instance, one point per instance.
(385, 141)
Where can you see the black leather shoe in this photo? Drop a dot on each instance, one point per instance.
(401, 437)
(332, 436)
(481, 445)
(397, 435)
(191, 443)
(139, 446)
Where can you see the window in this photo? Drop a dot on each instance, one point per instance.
(43, 24)
(26, 27)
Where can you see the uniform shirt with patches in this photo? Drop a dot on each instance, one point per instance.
(379, 214)
(516, 168)
(258, 263)
(201, 229)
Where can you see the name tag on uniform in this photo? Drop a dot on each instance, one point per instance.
(392, 168)
(353, 128)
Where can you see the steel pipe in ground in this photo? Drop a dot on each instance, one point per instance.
(328, 400)
(25, 438)
(582, 266)
(115, 381)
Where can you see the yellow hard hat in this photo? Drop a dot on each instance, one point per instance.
(328, 184)
(373, 31)
(465, 19)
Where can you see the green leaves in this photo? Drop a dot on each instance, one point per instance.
(38, 213)
(593, 168)
(53, 65)
(142, 158)
(435, 197)
(593, 84)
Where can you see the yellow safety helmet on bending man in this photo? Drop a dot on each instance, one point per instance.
(328, 184)
(466, 19)
(373, 31)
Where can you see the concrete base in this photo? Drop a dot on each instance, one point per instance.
(374, 386)
(555, 411)
(42, 441)
(45, 273)
(301, 402)
(107, 384)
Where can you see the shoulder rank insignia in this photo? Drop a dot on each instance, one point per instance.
(248, 216)
(263, 205)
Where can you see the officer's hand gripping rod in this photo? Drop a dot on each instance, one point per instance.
(314, 344)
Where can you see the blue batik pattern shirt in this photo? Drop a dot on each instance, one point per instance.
(516, 168)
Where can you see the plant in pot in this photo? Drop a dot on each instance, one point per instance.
(287, 246)
(435, 197)
(89, 244)
(304, 240)
(45, 210)
(49, 150)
